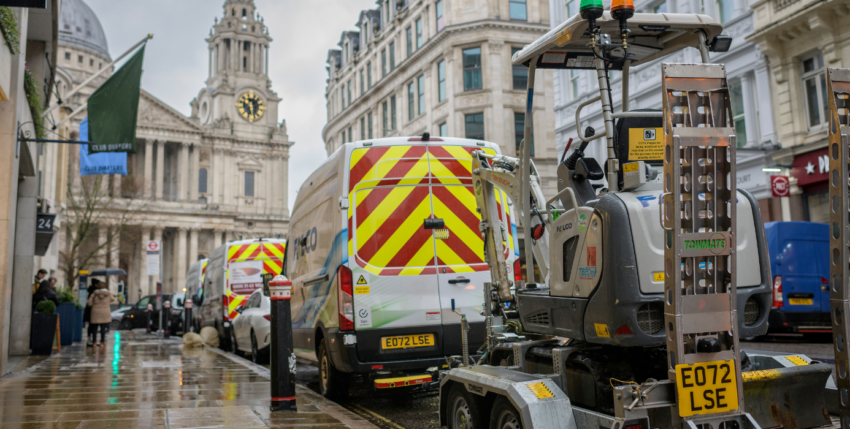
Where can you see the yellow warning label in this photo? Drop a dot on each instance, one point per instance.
(540, 390)
(441, 234)
(602, 330)
(658, 277)
(796, 360)
(563, 37)
(646, 144)
(361, 290)
(630, 167)
(362, 280)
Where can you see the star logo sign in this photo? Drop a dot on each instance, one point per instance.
(810, 168)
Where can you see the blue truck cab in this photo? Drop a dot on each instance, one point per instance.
(799, 261)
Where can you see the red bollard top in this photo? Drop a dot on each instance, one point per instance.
(166, 304)
(150, 307)
(280, 288)
(188, 304)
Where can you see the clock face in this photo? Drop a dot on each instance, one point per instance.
(251, 106)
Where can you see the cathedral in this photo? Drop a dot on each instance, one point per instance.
(199, 181)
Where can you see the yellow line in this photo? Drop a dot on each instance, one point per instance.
(377, 416)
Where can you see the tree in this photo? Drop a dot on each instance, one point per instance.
(98, 209)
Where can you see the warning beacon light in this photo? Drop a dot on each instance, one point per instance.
(591, 10)
(623, 10)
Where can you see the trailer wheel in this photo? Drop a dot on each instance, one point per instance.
(463, 409)
(504, 415)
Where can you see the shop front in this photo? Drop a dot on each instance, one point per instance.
(811, 170)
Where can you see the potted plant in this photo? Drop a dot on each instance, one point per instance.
(67, 312)
(43, 330)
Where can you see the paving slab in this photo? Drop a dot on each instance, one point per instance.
(142, 381)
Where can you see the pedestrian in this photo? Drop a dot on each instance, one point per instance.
(45, 293)
(87, 312)
(100, 315)
(42, 273)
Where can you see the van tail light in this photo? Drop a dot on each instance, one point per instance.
(517, 270)
(345, 299)
(225, 308)
(777, 292)
(267, 317)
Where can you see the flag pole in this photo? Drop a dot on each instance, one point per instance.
(94, 76)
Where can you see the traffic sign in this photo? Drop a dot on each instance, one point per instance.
(780, 186)
(153, 260)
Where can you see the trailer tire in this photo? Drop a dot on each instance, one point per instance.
(504, 415)
(463, 409)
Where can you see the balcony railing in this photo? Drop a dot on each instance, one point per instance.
(782, 4)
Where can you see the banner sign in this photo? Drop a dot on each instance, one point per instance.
(246, 276)
(38, 4)
(153, 251)
(114, 107)
(99, 163)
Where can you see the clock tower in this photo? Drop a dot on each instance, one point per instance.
(238, 98)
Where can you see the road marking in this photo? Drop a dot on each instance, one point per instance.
(377, 416)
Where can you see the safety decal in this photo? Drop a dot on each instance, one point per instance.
(364, 318)
(658, 277)
(268, 258)
(362, 280)
(587, 273)
(540, 390)
(591, 256)
(582, 222)
(602, 330)
(796, 360)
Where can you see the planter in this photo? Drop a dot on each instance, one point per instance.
(78, 324)
(67, 312)
(43, 333)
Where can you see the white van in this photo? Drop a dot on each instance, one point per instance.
(383, 237)
(234, 272)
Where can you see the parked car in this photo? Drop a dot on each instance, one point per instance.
(799, 261)
(252, 329)
(136, 316)
(117, 315)
(194, 289)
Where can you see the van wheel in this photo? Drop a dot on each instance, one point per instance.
(463, 410)
(504, 415)
(333, 384)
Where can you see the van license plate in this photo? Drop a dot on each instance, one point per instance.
(800, 301)
(706, 388)
(407, 341)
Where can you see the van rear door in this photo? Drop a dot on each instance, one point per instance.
(801, 275)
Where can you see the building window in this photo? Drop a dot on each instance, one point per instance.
(475, 126)
(393, 115)
(349, 92)
(411, 101)
(421, 85)
(660, 7)
(409, 32)
(244, 64)
(80, 59)
(736, 96)
(519, 131)
(249, 183)
(68, 56)
(814, 84)
(574, 74)
(342, 94)
(392, 56)
(441, 81)
(342, 139)
(369, 75)
(439, 8)
(444, 130)
(350, 135)
(369, 120)
(363, 128)
(365, 35)
(471, 69)
(91, 62)
(725, 10)
(202, 181)
(383, 63)
(386, 119)
(362, 83)
(419, 38)
(520, 73)
(519, 10)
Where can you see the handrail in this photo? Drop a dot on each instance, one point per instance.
(558, 195)
(578, 120)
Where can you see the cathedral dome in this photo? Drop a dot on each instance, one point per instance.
(80, 28)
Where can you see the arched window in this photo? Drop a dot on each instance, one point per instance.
(202, 181)
(244, 13)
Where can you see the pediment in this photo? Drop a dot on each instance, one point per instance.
(250, 163)
(155, 113)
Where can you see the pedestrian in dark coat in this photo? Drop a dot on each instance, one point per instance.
(87, 311)
(44, 293)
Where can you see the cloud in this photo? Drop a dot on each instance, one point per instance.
(176, 59)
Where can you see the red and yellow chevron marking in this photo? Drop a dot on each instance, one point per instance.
(271, 253)
(390, 198)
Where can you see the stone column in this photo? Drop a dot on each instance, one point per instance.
(193, 173)
(157, 236)
(180, 266)
(217, 238)
(144, 279)
(284, 184)
(23, 269)
(114, 248)
(183, 173)
(160, 169)
(193, 245)
(148, 177)
(494, 76)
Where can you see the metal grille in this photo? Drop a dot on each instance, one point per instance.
(539, 318)
(650, 317)
(751, 312)
(838, 94)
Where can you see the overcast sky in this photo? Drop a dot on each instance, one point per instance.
(176, 58)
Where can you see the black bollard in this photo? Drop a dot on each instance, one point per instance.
(283, 356)
(150, 310)
(166, 319)
(187, 316)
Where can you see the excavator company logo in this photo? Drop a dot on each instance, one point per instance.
(475, 389)
(715, 245)
(565, 227)
(501, 180)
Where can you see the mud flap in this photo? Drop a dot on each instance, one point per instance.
(790, 397)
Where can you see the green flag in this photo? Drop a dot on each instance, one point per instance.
(114, 107)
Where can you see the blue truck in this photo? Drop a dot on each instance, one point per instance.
(799, 261)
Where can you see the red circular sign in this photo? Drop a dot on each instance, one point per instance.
(153, 246)
(780, 186)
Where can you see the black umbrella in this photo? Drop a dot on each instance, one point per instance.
(108, 272)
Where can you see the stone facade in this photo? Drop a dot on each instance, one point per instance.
(407, 59)
(199, 181)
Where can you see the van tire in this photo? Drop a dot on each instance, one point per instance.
(463, 409)
(224, 341)
(333, 384)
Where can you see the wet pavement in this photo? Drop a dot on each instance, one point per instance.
(140, 381)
